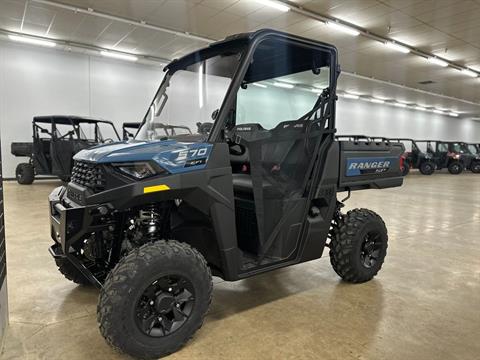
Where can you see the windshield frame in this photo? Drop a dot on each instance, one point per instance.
(203, 54)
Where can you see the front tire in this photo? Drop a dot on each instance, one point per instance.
(155, 299)
(427, 168)
(25, 173)
(359, 245)
(405, 169)
(475, 167)
(455, 168)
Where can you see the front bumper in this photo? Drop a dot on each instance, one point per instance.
(69, 223)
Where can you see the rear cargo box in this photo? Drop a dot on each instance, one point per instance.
(367, 163)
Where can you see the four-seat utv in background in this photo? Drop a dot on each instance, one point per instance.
(149, 221)
(56, 138)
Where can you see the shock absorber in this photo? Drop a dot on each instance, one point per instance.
(155, 220)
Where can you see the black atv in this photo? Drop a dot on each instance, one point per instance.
(418, 155)
(474, 149)
(453, 155)
(151, 220)
(56, 139)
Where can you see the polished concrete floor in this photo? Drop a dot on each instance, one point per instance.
(425, 303)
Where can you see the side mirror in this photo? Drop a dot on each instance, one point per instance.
(214, 114)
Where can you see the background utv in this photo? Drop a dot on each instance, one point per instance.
(150, 221)
(56, 138)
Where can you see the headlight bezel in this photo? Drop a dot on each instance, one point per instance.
(138, 170)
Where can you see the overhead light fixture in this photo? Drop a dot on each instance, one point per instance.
(378, 101)
(274, 4)
(398, 104)
(397, 47)
(343, 28)
(437, 61)
(421, 108)
(31, 40)
(436, 111)
(283, 85)
(453, 114)
(469, 72)
(350, 96)
(117, 55)
(259, 85)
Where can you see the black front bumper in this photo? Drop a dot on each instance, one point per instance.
(69, 222)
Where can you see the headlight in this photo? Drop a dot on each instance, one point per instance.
(138, 170)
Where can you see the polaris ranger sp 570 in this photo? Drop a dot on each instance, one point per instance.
(150, 220)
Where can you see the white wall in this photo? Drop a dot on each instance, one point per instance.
(37, 81)
(361, 117)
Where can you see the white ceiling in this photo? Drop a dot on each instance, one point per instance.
(447, 28)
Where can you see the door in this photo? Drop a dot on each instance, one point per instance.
(442, 154)
(279, 123)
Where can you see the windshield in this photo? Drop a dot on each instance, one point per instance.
(459, 148)
(473, 149)
(188, 99)
(97, 132)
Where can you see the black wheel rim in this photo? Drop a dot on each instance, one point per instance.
(371, 247)
(165, 305)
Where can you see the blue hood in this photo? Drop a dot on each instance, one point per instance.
(172, 155)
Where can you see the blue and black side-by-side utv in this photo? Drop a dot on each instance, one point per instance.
(253, 189)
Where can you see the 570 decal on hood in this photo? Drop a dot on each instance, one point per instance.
(369, 166)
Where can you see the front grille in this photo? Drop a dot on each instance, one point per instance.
(89, 175)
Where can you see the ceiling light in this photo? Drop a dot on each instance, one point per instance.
(453, 114)
(397, 47)
(117, 55)
(274, 5)
(402, 105)
(30, 40)
(378, 101)
(437, 61)
(436, 111)
(469, 72)
(283, 85)
(350, 96)
(259, 85)
(421, 108)
(343, 28)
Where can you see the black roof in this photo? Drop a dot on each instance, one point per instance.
(234, 42)
(68, 119)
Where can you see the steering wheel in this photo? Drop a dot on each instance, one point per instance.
(235, 148)
(108, 141)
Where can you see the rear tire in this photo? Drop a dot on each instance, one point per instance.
(155, 299)
(71, 272)
(475, 167)
(455, 168)
(359, 246)
(427, 168)
(25, 173)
